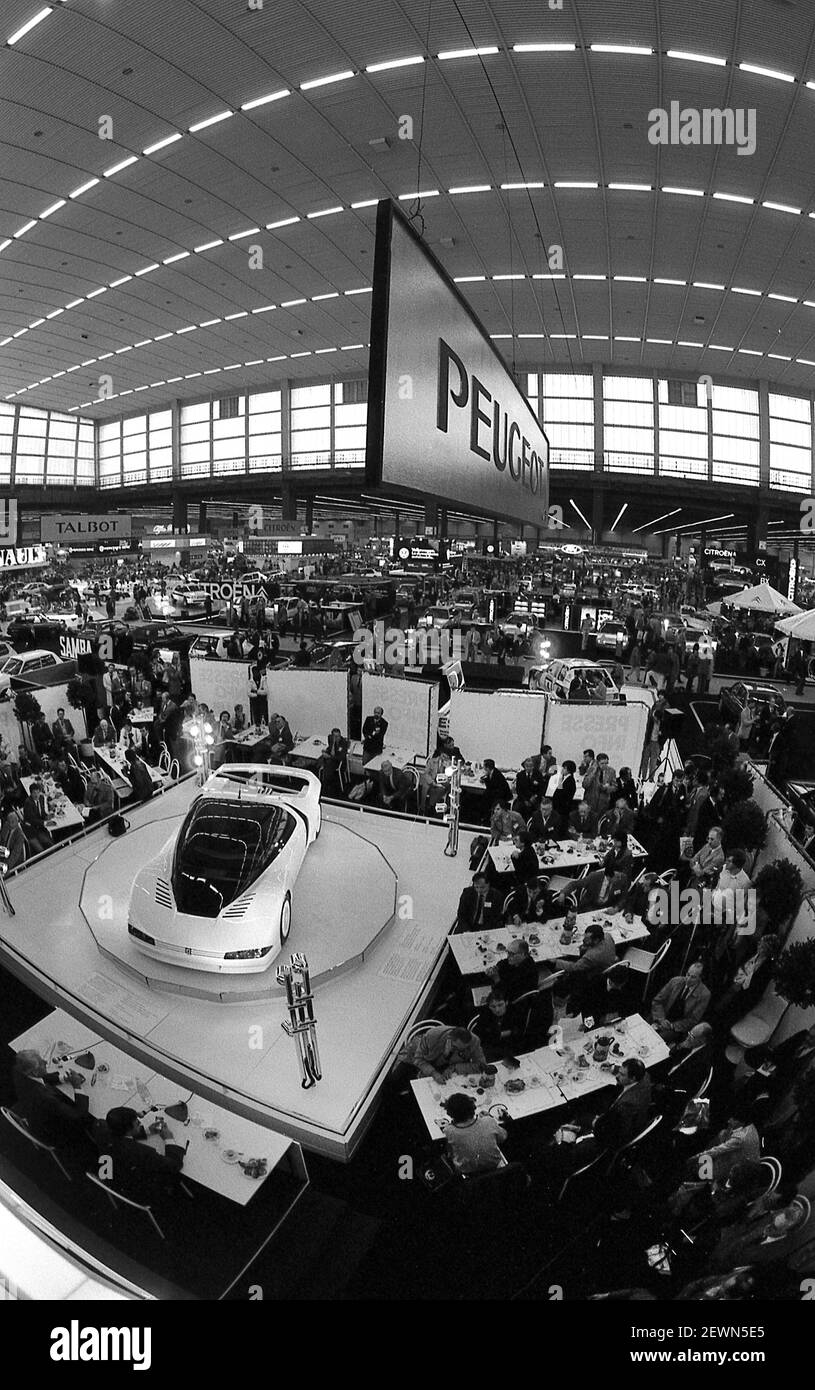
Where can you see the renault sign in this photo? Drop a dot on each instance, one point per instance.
(445, 417)
(66, 528)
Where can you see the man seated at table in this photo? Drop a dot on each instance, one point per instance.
(138, 775)
(282, 739)
(620, 818)
(582, 822)
(394, 787)
(496, 786)
(132, 736)
(51, 1114)
(140, 1171)
(63, 731)
(104, 735)
(69, 780)
(441, 1052)
(333, 760)
(530, 788)
(493, 1025)
(34, 814)
(374, 730)
(473, 1141)
(618, 1124)
(680, 1004)
(517, 973)
(503, 821)
(479, 907)
(602, 888)
(239, 720)
(583, 977)
(100, 798)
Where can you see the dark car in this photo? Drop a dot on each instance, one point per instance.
(732, 699)
(801, 796)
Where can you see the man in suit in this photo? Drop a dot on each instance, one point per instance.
(583, 977)
(598, 784)
(69, 781)
(374, 730)
(41, 735)
(51, 1114)
(479, 907)
(604, 888)
(35, 814)
(139, 1170)
(139, 775)
(281, 737)
(395, 786)
(582, 821)
(530, 788)
(562, 801)
(99, 798)
(63, 731)
(624, 1118)
(12, 839)
(706, 863)
(680, 1004)
(516, 973)
(333, 759)
(496, 786)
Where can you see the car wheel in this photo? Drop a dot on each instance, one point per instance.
(285, 919)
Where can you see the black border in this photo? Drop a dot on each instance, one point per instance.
(386, 212)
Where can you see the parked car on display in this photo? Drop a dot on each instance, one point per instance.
(556, 677)
(218, 894)
(439, 616)
(188, 596)
(732, 698)
(26, 665)
(609, 634)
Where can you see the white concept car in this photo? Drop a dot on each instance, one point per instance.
(218, 894)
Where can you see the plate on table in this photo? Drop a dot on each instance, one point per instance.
(232, 1155)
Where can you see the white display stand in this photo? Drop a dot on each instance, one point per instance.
(506, 725)
(312, 701)
(410, 707)
(618, 730)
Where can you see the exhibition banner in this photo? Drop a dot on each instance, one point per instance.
(62, 528)
(445, 417)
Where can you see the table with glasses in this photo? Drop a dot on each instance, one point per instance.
(217, 1140)
(113, 762)
(63, 815)
(570, 1067)
(478, 951)
(562, 854)
(142, 716)
(310, 748)
(398, 757)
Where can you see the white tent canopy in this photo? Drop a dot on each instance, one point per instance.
(800, 626)
(763, 598)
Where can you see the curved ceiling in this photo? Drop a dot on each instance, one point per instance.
(136, 256)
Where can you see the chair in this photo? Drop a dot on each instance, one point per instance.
(413, 774)
(646, 962)
(626, 1153)
(17, 1122)
(757, 1027)
(422, 1027)
(579, 1182)
(772, 1168)
(509, 901)
(174, 770)
(113, 1197)
(528, 1005)
(164, 759)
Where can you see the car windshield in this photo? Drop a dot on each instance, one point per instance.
(13, 666)
(223, 846)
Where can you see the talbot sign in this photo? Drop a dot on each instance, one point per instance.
(67, 527)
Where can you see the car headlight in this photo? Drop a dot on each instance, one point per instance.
(248, 955)
(142, 936)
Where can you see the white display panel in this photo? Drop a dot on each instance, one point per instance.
(411, 708)
(618, 730)
(445, 417)
(505, 725)
(314, 702)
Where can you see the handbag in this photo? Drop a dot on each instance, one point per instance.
(436, 1172)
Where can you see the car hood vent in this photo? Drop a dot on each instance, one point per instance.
(239, 907)
(164, 896)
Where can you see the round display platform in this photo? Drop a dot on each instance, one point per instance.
(344, 898)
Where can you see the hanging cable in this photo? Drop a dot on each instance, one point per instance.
(415, 214)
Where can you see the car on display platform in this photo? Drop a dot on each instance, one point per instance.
(218, 894)
(609, 634)
(557, 676)
(188, 596)
(26, 666)
(732, 698)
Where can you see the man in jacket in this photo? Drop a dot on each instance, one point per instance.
(496, 786)
(395, 786)
(479, 907)
(598, 784)
(281, 737)
(63, 731)
(680, 1004)
(582, 821)
(50, 1113)
(583, 977)
(441, 1052)
(35, 813)
(374, 730)
(706, 863)
(139, 1170)
(530, 788)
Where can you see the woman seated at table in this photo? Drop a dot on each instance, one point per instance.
(473, 1141)
(104, 735)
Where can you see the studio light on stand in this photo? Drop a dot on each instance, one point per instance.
(453, 808)
(203, 739)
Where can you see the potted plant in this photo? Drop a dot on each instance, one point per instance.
(736, 783)
(744, 827)
(27, 709)
(80, 693)
(779, 886)
(795, 974)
